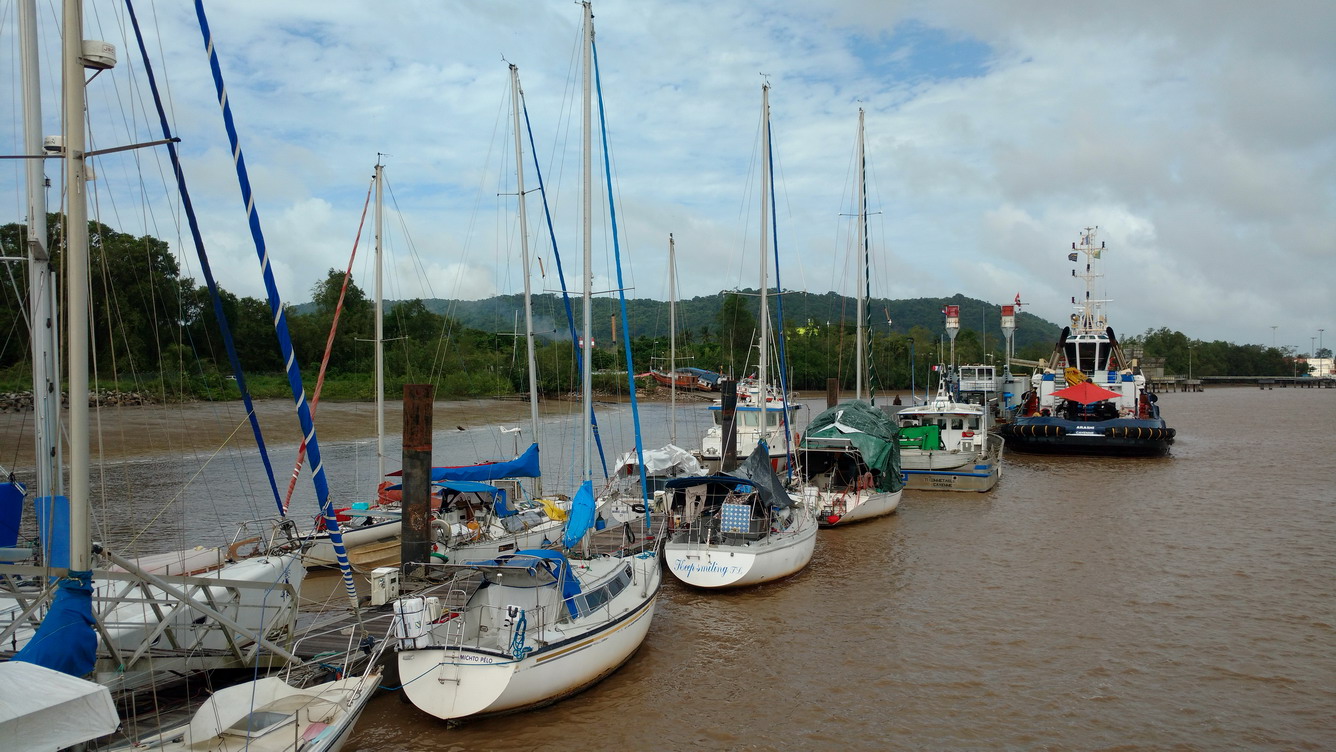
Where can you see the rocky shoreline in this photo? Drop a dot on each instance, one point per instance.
(21, 402)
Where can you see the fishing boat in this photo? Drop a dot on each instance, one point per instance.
(759, 412)
(530, 627)
(947, 444)
(1090, 398)
(691, 379)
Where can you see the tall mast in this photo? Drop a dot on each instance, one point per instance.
(761, 373)
(76, 320)
(859, 364)
(380, 326)
(586, 371)
(516, 95)
(41, 276)
(672, 341)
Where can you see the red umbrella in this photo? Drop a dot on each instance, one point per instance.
(1085, 392)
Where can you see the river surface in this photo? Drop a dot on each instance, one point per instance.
(1085, 603)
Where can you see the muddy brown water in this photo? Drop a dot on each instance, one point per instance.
(1175, 603)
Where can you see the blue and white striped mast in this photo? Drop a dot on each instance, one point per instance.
(279, 317)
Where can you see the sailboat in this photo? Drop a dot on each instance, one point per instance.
(741, 527)
(849, 460)
(480, 510)
(122, 623)
(622, 501)
(530, 627)
(170, 613)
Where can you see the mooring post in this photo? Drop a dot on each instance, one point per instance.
(415, 538)
(832, 392)
(728, 412)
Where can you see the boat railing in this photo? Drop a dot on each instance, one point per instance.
(145, 631)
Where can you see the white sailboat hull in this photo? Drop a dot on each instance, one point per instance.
(723, 566)
(838, 509)
(453, 682)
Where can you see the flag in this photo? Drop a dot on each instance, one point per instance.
(1071, 257)
(1097, 250)
(1018, 298)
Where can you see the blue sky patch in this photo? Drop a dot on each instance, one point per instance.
(916, 53)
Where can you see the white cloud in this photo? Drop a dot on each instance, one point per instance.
(1200, 136)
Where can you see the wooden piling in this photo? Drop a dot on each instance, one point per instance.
(415, 538)
(832, 392)
(728, 412)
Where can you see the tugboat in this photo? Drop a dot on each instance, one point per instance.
(1090, 399)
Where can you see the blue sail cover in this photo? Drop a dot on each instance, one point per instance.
(11, 512)
(581, 517)
(66, 641)
(524, 466)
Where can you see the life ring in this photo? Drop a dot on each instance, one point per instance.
(233, 551)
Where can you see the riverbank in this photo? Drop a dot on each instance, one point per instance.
(138, 429)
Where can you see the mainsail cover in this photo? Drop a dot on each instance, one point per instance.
(869, 430)
(524, 466)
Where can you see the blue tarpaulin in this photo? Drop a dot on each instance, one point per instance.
(581, 517)
(66, 641)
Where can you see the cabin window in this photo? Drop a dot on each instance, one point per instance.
(772, 419)
(749, 419)
(974, 424)
(957, 424)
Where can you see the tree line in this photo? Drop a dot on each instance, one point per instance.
(154, 330)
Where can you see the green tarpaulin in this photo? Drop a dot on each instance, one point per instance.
(869, 430)
(921, 437)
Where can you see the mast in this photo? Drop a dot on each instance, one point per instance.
(672, 341)
(761, 374)
(380, 327)
(76, 240)
(859, 364)
(586, 363)
(41, 276)
(516, 94)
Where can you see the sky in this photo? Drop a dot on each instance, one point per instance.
(1199, 137)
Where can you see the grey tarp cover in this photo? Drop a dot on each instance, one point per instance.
(870, 431)
(761, 474)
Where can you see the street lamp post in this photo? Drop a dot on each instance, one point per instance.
(1190, 349)
(1273, 335)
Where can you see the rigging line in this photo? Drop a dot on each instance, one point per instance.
(329, 348)
(785, 414)
(561, 275)
(219, 314)
(279, 319)
(621, 286)
(200, 471)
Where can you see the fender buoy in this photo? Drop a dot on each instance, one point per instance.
(638, 508)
